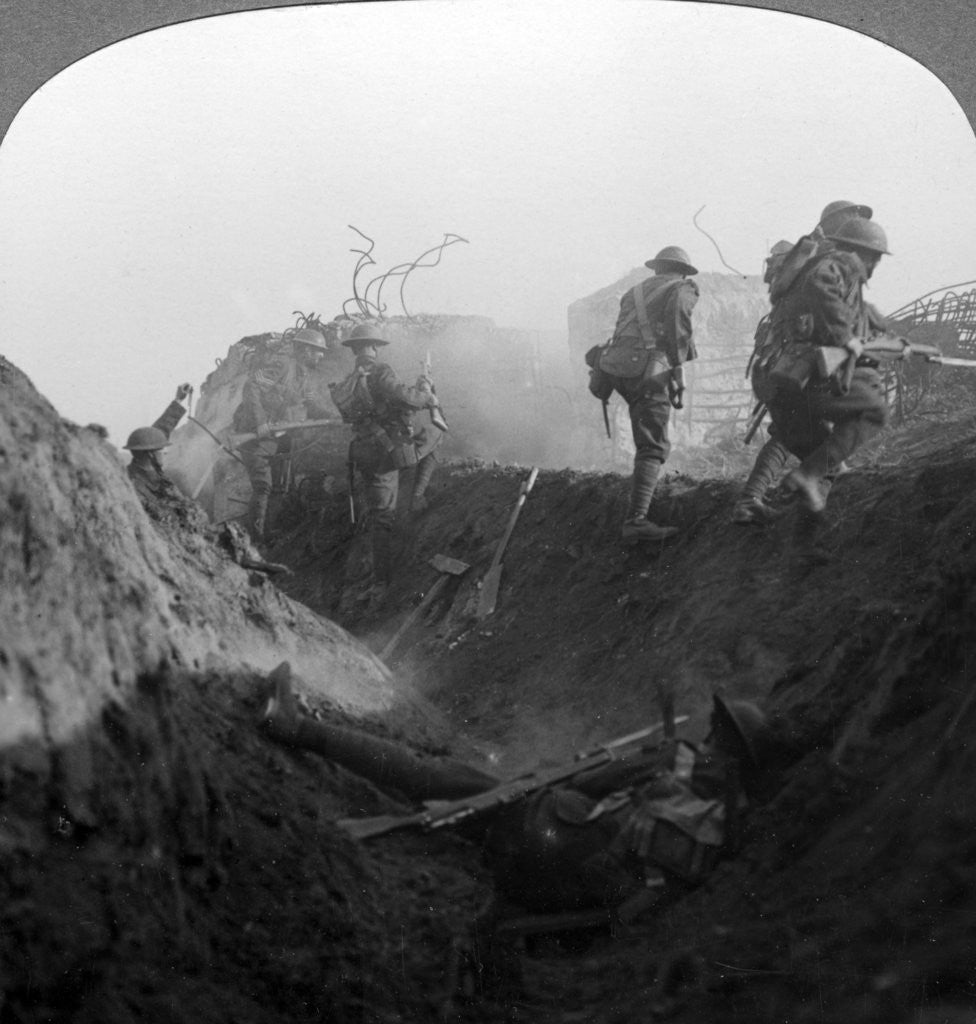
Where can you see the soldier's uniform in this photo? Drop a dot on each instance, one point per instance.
(642, 363)
(385, 441)
(784, 267)
(824, 421)
(281, 389)
(145, 470)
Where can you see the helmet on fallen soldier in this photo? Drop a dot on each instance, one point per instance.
(146, 439)
(743, 720)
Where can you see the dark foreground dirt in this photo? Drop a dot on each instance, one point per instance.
(210, 883)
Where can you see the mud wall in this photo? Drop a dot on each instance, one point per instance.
(95, 595)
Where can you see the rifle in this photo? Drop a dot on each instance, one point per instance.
(351, 479)
(277, 428)
(436, 413)
(758, 415)
(831, 358)
(443, 813)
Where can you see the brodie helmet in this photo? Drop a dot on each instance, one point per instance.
(146, 439)
(862, 234)
(672, 258)
(365, 334)
(313, 339)
(746, 721)
(830, 217)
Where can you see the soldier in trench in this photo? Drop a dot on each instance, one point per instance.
(643, 362)
(380, 409)
(784, 268)
(146, 445)
(272, 392)
(659, 821)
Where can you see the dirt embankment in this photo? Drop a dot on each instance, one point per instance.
(198, 873)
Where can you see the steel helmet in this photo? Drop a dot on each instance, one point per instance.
(146, 439)
(746, 720)
(314, 339)
(843, 206)
(672, 258)
(781, 248)
(862, 234)
(365, 334)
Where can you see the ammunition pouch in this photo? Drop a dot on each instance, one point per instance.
(400, 454)
(795, 366)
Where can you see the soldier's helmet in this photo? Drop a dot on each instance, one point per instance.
(146, 439)
(861, 234)
(835, 213)
(365, 334)
(311, 338)
(746, 721)
(673, 259)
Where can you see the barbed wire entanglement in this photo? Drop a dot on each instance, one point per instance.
(945, 317)
(369, 300)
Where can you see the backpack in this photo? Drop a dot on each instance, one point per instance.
(632, 357)
(352, 396)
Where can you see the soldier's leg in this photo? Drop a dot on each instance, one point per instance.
(857, 416)
(421, 481)
(649, 416)
(389, 765)
(770, 463)
(381, 498)
(257, 456)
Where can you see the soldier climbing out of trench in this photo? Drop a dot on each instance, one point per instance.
(825, 397)
(272, 393)
(146, 444)
(380, 409)
(642, 362)
(659, 820)
(784, 268)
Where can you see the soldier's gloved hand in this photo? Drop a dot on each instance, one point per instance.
(425, 383)
(182, 391)
(855, 346)
(676, 390)
(264, 430)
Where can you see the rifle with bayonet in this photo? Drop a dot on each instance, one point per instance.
(270, 429)
(831, 358)
(436, 413)
(444, 813)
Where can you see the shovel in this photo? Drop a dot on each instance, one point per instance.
(447, 567)
(493, 578)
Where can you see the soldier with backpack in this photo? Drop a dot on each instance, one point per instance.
(380, 409)
(783, 268)
(279, 388)
(642, 362)
(823, 417)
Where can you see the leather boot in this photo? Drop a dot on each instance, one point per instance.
(637, 527)
(809, 478)
(421, 480)
(750, 509)
(258, 516)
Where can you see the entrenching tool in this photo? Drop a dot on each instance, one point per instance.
(493, 578)
(447, 567)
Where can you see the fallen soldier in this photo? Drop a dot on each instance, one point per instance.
(656, 817)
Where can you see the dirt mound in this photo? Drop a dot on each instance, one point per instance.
(164, 861)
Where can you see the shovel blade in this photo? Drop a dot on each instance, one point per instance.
(489, 591)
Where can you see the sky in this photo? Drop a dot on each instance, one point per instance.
(174, 192)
